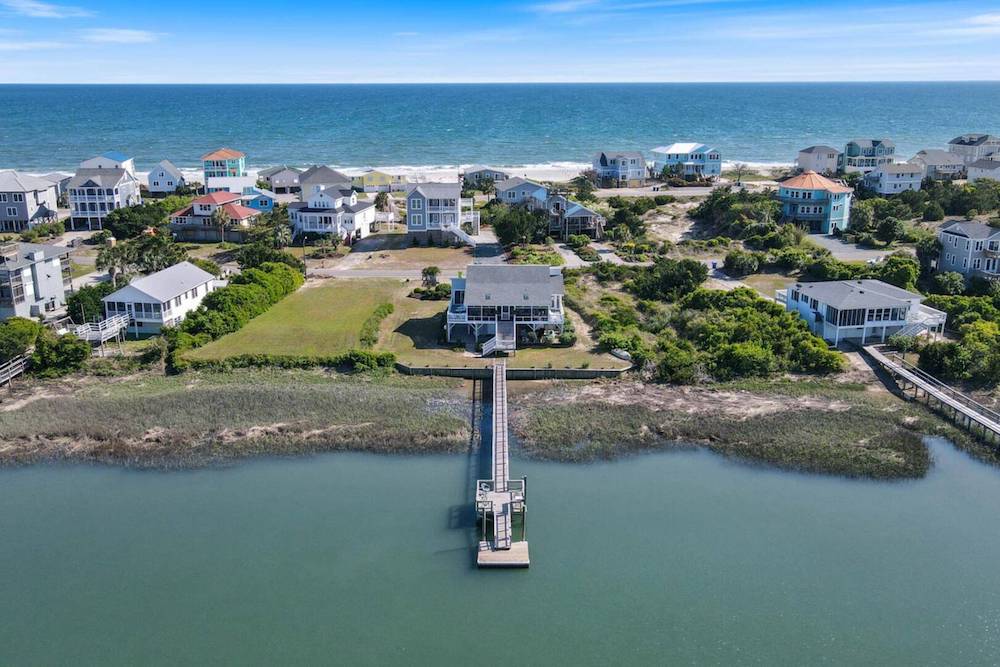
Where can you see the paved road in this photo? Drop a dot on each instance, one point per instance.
(848, 251)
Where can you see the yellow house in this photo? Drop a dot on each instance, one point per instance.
(372, 180)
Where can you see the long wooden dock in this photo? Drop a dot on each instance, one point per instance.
(975, 417)
(500, 499)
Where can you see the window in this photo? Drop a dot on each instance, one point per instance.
(18, 196)
(3, 197)
(11, 211)
(417, 220)
(416, 204)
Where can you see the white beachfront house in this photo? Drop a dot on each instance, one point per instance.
(436, 211)
(988, 168)
(821, 159)
(161, 299)
(95, 192)
(165, 178)
(479, 172)
(892, 179)
(110, 160)
(506, 302)
(688, 159)
(865, 155)
(939, 165)
(974, 146)
(240, 185)
(620, 169)
(334, 211)
(860, 310)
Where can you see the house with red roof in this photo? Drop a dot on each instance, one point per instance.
(224, 162)
(199, 222)
(815, 201)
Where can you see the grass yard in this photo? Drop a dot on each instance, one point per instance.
(322, 318)
(767, 284)
(77, 270)
(396, 252)
(412, 333)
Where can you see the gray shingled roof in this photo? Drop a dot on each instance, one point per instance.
(820, 149)
(900, 168)
(972, 139)
(989, 165)
(937, 156)
(25, 250)
(168, 283)
(868, 143)
(511, 284)
(850, 294)
(322, 174)
(439, 190)
(514, 182)
(12, 181)
(104, 178)
(970, 229)
(171, 169)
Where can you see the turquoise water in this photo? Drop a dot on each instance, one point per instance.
(352, 559)
(44, 127)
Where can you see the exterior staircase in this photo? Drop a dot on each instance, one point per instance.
(98, 332)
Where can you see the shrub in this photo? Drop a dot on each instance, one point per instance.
(17, 334)
(950, 283)
(55, 356)
(678, 363)
(734, 360)
(933, 212)
(741, 262)
(255, 254)
(902, 343)
(85, 305)
(577, 241)
(206, 265)
(370, 327)
(356, 360)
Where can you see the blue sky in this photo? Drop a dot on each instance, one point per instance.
(308, 41)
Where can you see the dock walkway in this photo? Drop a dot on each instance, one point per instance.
(499, 499)
(975, 417)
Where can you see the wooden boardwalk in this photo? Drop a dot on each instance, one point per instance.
(975, 417)
(500, 498)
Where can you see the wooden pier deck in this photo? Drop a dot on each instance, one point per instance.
(975, 417)
(498, 499)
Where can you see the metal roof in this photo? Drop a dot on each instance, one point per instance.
(100, 177)
(24, 252)
(970, 229)
(12, 181)
(439, 189)
(851, 294)
(166, 284)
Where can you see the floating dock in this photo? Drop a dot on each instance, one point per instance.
(500, 501)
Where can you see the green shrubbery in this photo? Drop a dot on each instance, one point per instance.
(370, 327)
(131, 221)
(55, 356)
(440, 292)
(45, 230)
(228, 309)
(975, 356)
(356, 360)
(17, 335)
(85, 305)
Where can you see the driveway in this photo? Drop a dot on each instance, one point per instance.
(849, 252)
(607, 253)
(570, 259)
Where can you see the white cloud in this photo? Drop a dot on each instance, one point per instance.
(43, 10)
(405, 34)
(562, 6)
(981, 25)
(29, 46)
(118, 36)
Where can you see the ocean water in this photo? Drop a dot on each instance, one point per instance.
(46, 127)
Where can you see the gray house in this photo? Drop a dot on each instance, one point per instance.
(974, 146)
(478, 172)
(281, 179)
(620, 169)
(986, 168)
(95, 192)
(165, 178)
(940, 165)
(26, 201)
(317, 178)
(970, 248)
(436, 212)
(519, 191)
(34, 279)
(866, 155)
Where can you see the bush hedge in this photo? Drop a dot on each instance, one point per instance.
(370, 327)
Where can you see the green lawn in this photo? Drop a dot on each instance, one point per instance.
(77, 270)
(768, 283)
(320, 319)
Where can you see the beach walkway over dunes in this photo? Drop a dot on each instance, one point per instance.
(965, 412)
(500, 500)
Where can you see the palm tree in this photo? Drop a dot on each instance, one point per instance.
(430, 274)
(282, 236)
(116, 260)
(382, 201)
(221, 220)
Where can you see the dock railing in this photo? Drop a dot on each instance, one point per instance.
(940, 386)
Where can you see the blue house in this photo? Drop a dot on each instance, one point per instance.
(816, 201)
(260, 199)
(688, 159)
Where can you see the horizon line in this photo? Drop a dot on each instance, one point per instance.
(475, 83)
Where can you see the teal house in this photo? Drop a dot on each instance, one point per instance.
(815, 202)
(224, 162)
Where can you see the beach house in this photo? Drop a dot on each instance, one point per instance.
(436, 212)
(506, 303)
(239, 185)
(61, 181)
(334, 212)
(973, 147)
(95, 192)
(282, 180)
(939, 165)
(165, 178)
(860, 310)
(373, 180)
(26, 201)
(821, 159)
(687, 160)
(893, 178)
(620, 169)
(224, 162)
(984, 169)
(260, 199)
(478, 172)
(812, 200)
(34, 280)
(865, 155)
(319, 177)
(199, 222)
(567, 217)
(519, 191)
(110, 160)
(970, 248)
(161, 299)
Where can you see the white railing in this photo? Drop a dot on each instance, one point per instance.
(13, 368)
(489, 347)
(101, 331)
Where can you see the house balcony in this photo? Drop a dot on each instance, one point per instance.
(781, 296)
(993, 254)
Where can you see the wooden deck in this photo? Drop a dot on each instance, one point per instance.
(965, 412)
(498, 499)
